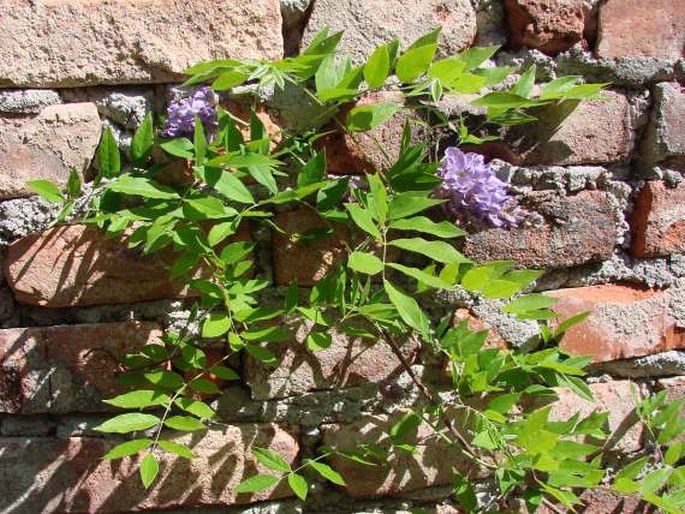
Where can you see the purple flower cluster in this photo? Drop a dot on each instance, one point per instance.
(476, 196)
(183, 109)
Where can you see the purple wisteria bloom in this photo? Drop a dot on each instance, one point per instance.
(475, 195)
(185, 106)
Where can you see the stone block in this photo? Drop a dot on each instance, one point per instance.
(624, 322)
(46, 146)
(633, 28)
(67, 43)
(66, 368)
(578, 229)
(372, 23)
(551, 26)
(67, 476)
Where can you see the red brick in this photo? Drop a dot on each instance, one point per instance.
(366, 152)
(306, 262)
(658, 220)
(66, 368)
(550, 26)
(78, 265)
(347, 362)
(634, 28)
(664, 141)
(593, 132)
(46, 146)
(605, 501)
(432, 464)
(578, 229)
(67, 476)
(618, 399)
(625, 321)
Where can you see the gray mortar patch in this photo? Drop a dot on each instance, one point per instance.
(27, 101)
(23, 216)
(658, 365)
(518, 333)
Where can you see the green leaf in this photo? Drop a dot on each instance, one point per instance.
(407, 308)
(46, 190)
(416, 60)
(262, 354)
(443, 229)
(256, 483)
(204, 386)
(299, 485)
(368, 117)
(529, 302)
(73, 184)
(500, 289)
(377, 68)
(216, 325)
(180, 147)
(109, 158)
(421, 276)
(364, 262)
(525, 83)
(439, 251)
(236, 252)
(184, 423)
(224, 373)
(229, 79)
(221, 231)
(558, 87)
(130, 422)
(363, 219)
(314, 171)
(319, 341)
(143, 139)
(127, 448)
(378, 199)
(477, 55)
(270, 459)
(327, 472)
(504, 101)
(166, 379)
(140, 186)
(406, 204)
(195, 407)
(228, 185)
(139, 399)
(199, 142)
(179, 449)
(149, 468)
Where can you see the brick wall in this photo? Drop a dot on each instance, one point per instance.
(608, 185)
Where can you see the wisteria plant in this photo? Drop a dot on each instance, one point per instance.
(404, 222)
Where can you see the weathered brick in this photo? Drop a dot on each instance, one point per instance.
(605, 500)
(550, 26)
(71, 42)
(46, 146)
(664, 141)
(78, 265)
(633, 28)
(589, 132)
(658, 220)
(348, 361)
(625, 321)
(306, 261)
(619, 399)
(66, 368)
(432, 464)
(578, 229)
(67, 476)
(367, 152)
(375, 22)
